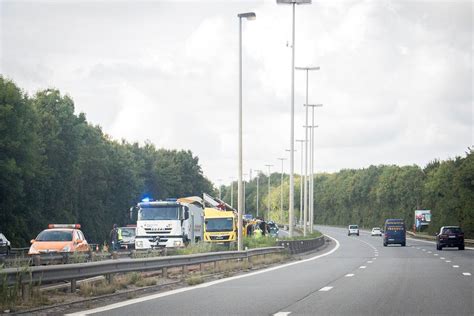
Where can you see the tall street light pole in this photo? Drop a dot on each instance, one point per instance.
(231, 191)
(289, 150)
(281, 190)
(220, 188)
(301, 181)
(307, 69)
(292, 133)
(240, 242)
(258, 178)
(311, 179)
(269, 174)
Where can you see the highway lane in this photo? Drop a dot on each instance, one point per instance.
(360, 277)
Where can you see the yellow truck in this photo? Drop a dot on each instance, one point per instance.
(220, 226)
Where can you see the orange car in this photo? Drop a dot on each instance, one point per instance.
(59, 238)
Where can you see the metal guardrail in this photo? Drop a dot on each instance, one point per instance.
(299, 246)
(73, 272)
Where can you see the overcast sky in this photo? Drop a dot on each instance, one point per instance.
(396, 77)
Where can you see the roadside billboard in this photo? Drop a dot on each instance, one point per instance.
(422, 218)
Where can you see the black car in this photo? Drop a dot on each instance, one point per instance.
(5, 245)
(450, 236)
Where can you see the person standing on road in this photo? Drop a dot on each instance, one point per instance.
(114, 237)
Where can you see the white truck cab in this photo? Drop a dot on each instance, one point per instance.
(166, 223)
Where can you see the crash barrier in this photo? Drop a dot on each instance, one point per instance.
(467, 242)
(299, 246)
(73, 272)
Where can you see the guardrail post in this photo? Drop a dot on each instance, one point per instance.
(201, 267)
(164, 272)
(110, 278)
(184, 270)
(73, 285)
(25, 292)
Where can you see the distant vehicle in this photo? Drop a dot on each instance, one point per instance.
(394, 232)
(353, 230)
(59, 238)
(5, 245)
(128, 237)
(376, 231)
(450, 236)
(273, 229)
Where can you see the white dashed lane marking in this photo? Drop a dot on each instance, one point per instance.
(466, 273)
(435, 254)
(349, 275)
(362, 267)
(455, 266)
(442, 258)
(325, 289)
(369, 261)
(282, 314)
(448, 261)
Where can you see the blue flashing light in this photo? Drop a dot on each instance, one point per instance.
(146, 199)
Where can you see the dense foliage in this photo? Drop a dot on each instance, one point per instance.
(55, 167)
(369, 196)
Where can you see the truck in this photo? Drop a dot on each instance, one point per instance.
(168, 223)
(220, 226)
(220, 221)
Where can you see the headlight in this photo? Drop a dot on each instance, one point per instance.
(140, 243)
(178, 243)
(33, 250)
(66, 248)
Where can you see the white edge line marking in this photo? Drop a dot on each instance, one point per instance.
(325, 289)
(203, 285)
(466, 273)
(282, 314)
(349, 275)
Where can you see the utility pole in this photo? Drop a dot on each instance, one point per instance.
(281, 189)
(258, 178)
(311, 179)
(269, 174)
(301, 181)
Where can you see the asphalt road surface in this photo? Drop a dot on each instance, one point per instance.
(355, 276)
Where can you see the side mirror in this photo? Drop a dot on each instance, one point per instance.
(32, 241)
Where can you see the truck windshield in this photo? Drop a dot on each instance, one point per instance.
(158, 213)
(219, 224)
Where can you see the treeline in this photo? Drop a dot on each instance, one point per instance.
(368, 196)
(55, 167)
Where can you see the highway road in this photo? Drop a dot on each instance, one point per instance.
(355, 276)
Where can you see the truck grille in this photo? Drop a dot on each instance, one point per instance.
(157, 231)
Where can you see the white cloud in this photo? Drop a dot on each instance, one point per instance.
(395, 78)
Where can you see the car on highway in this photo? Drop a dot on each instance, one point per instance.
(394, 232)
(128, 237)
(450, 236)
(353, 230)
(59, 239)
(376, 231)
(5, 245)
